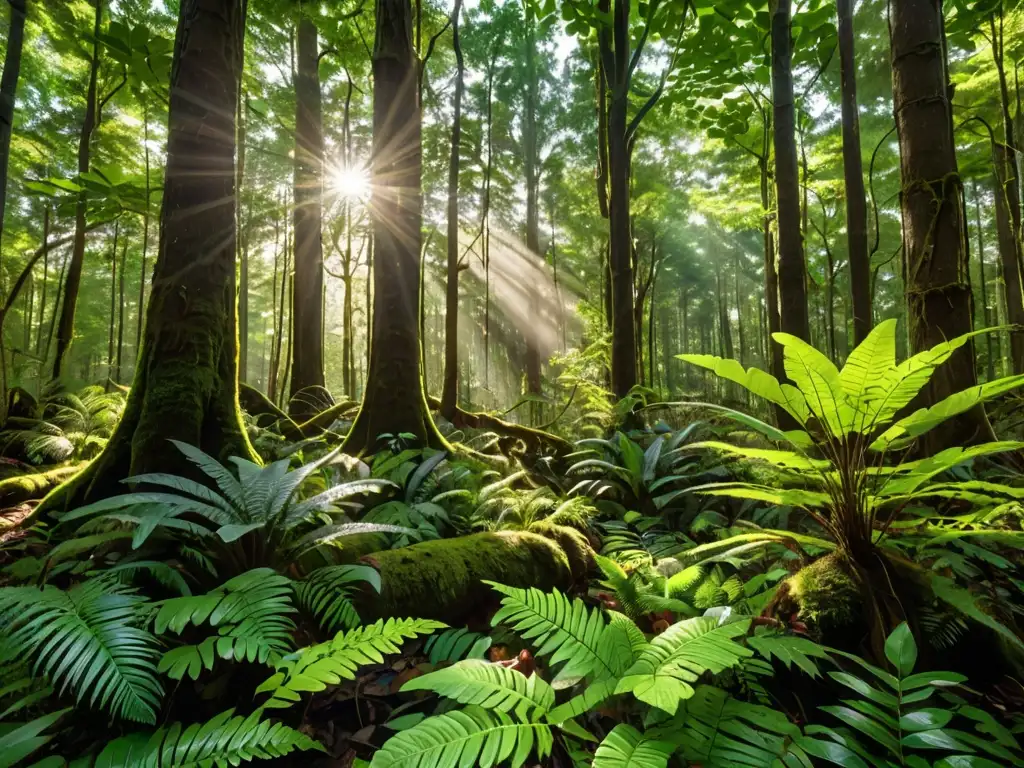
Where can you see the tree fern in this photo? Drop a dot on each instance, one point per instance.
(492, 686)
(468, 737)
(314, 668)
(626, 746)
(86, 640)
(226, 739)
(663, 672)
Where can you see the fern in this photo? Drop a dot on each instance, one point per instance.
(19, 740)
(226, 739)
(86, 640)
(250, 612)
(456, 644)
(493, 686)
(626, 746)
(789, 650)
(472, 736)
(314, 668)
(664, 670)
(565, 629)
(326, 596)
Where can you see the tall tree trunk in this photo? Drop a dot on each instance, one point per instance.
(853, 172)
(450, 388)
(990, 369)
(66, 325)
(936, 276)
(8, 92)
(46, 270)
(792, 267)
(393, 401)
(243, 237)
(308, 280)
(277, 309)
(113, 305)
(120, 313)
(145, 232)
(186, 383)
(485, 220)
(531, 163)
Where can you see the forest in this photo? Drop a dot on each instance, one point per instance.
(512, 383)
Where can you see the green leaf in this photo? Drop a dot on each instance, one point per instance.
(493, 686)
(901, 650)
(626, 746)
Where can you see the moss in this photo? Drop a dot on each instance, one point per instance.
(826, 594)
(15, 490)
(575, 545)
(443, 579)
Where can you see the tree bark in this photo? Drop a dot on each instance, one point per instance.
(792, 267)
(450, 388)
(936, 276)
(145, 232)
(853, 171)
(66, 324)
(531, 163)
(990, 368)
(8, 92)
(120, 314)
(243, 266)
(393, 399)
(186, 383)
(307, 369)
(113, 304)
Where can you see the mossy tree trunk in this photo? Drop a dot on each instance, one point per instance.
(936, 278)
(393, 399)
(8, 89)
(186, 383)
(307, 369)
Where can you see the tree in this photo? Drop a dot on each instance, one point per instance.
(937, 285)
(450, 391)
(853, 174)
(8, 91)
(308, 282)
(792, 267)
(393, 400)
(186, 383)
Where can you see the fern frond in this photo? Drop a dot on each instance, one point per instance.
(472, 736)
(492, 686)
(326, 594)
(456, 644)
(19, 740)
(717, 731)
(226, 739)
(566, 630)
(676, 658)
(626, 746)
(789, 650)
(314, 668)
(86, 640)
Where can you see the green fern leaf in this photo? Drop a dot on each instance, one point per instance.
(626, 746)
(86, 640)
(676, 658)
(469, 737)
(326, 594)
(314, 668)
(566, 630)
(489, 685)
(226, 739)
(456, 644)
(789, 650)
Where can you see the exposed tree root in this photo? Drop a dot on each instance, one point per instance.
(443, 579)
(534, 440)
(256, 403)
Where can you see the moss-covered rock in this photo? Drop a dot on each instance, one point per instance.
(442, 579)
(826, 595)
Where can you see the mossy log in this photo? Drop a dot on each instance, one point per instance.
(15, 490)
(533, 439)
(443, 579)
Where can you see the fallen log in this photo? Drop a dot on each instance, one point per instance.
(443, 579)
(257, 404)
(16, 490)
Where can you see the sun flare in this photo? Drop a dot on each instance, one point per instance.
(349, 182)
